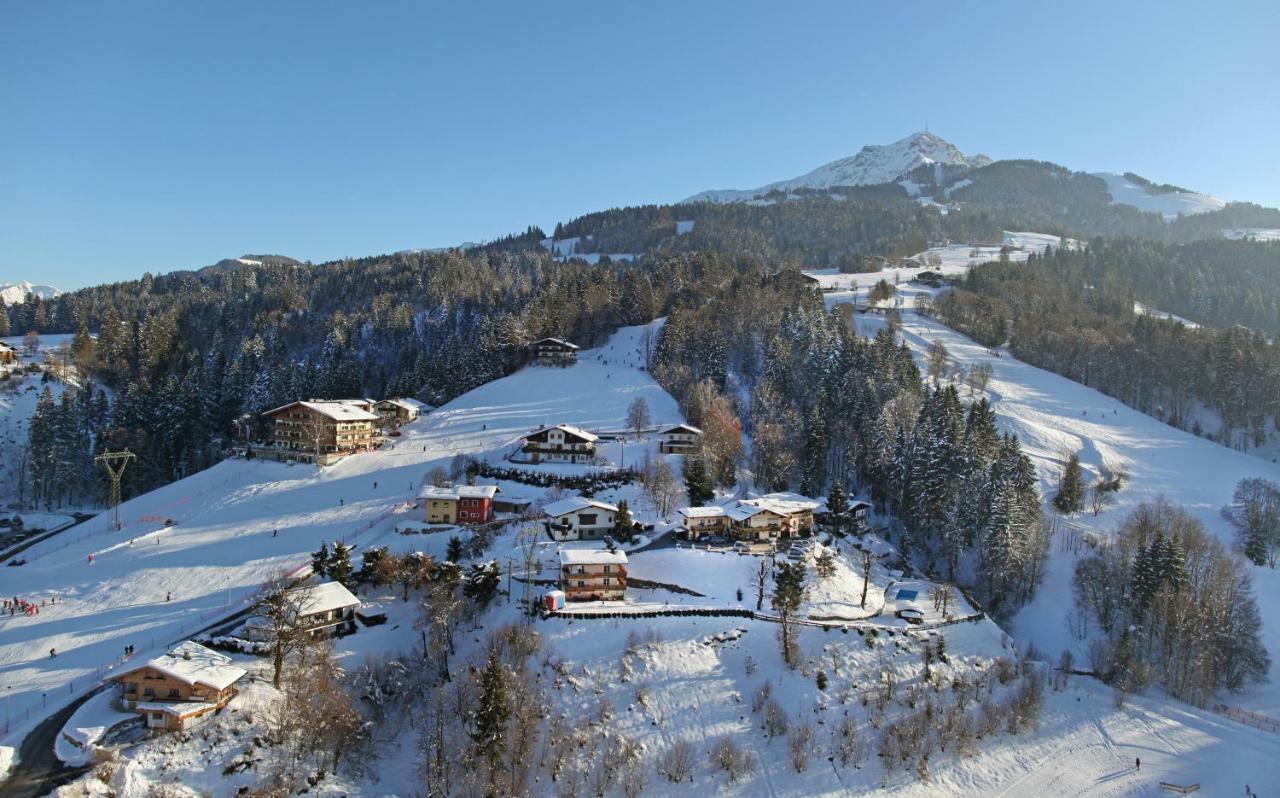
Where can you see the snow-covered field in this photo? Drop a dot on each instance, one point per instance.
(1144, 310)
(18, 397)
(1169, 205)
(1053, 416)
(112, 587)
(1252, 233)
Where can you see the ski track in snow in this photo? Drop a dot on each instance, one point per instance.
(1053, 416)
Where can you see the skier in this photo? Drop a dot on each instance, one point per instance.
(275, 532)
(53, 652)
(167, 595)
(375, 485)
(1137, 764)
(339, 502)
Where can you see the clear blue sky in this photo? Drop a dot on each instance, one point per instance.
(153, 136)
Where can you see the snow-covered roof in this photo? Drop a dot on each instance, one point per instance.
(592, 557)
(682, 428)
(702, 512)
(344, 410)
(570, 429)
(559, 341)
(193, 663)
(3, 345)
(324, 597)
(575, 503)
(179, 708)
(407, 404)
(459, 492)
(786, 502)
(743, 510)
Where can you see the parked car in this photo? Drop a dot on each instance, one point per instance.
(742, 547)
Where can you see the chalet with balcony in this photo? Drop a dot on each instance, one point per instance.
(562, 443)
(394, 412)
(700, 522)
(553, 352)
(464, 504)
(177, 689)
(593, 574)
(327, 609)
(320, 427)
(680, 439)
(580, 518)
(772, 516)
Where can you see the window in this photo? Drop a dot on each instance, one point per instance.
(608, 581)
(173, 692)
(608, 569)
(587, 519)
(148, 691)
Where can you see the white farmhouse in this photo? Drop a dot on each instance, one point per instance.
(578, 518)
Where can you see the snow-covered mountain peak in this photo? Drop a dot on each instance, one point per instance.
(874, 164)
(16, 293)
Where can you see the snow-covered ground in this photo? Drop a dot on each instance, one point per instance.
(1144, 310)
(1169, 204)
(1252, 233)
(18, 397)
(112, 587)
(1053, 416)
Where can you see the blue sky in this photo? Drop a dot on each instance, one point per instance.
(154, 136)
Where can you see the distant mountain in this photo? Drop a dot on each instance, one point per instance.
(16, 293)
(929, 168)
(873, 165)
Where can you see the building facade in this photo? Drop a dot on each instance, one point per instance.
(324, 427)
(580, 518)
(680, 439)
(186, 684)
(553, 352)
(699, 522)
(394, 412)
(562, 443)
(464, 504)
(593, 574)
(8, 355)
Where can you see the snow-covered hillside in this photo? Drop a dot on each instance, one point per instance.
(149, 584)
(1053, 416)
(1169, 204)
(874, 164)
(16, 293)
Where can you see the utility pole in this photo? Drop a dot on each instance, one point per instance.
(114, 463)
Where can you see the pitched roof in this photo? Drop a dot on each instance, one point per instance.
(682, 428)
(569, 429)
(744, 510)
(3, 345)
(344, 410)
(575, 503)
(324, 597)
(407, 404)
(458, 492)
(592, 557)
(192, 663)
(786, 502)
(702, 512)
(560, 341)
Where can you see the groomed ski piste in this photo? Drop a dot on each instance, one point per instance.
(242, 522)
(696, 669)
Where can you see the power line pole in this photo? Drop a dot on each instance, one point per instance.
(114, 463)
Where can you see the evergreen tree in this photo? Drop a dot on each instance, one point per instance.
(482, 582)
(622, 523)
(697, 482)
(838, 508)
(453, 552)
(339, 568)
(489, 718)
(1070, 498)
(320, 561)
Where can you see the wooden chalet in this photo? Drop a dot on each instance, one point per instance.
(394, 412)
(185, 685)
(8, 355)
(579, 518)
(327, 609)
(700, 522)
(319, 427)
(772, 516)
(553, 352)
(680, 439)
(593, 574)
(562, 443)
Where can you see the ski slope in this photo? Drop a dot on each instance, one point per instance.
(1169, 204)
(1053, 416)
(225, 542)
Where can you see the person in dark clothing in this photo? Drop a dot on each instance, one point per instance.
(53, 652)
(1137, 764)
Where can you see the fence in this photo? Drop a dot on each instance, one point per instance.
(1254, 719)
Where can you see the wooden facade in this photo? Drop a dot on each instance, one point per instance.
(553, 352)
(324, 427)
(186, 684)
(680, 439)
(593, 574)
(8, 355)
(562, 443)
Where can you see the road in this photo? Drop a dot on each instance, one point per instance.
(39, 771)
